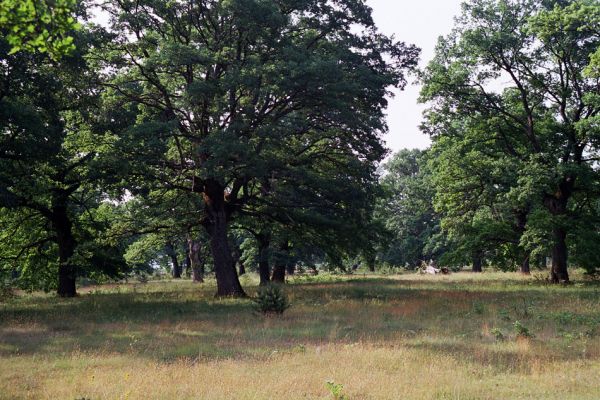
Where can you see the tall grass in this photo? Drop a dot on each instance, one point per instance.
(406, 336)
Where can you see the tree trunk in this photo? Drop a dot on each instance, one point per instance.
(170, 249)
(557, 204)
(525, 266)
(228, 284)
(264, 270)
(477, 263)
(282, 262)
(196, 260)
(559, 273)
(241, 268)
(290, 269)
(67, 272)
(188, 262)
(278, 274)
(237, 259)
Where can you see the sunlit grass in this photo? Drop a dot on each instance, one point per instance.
(405, 336)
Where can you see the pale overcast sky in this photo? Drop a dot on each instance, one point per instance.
(420, 22)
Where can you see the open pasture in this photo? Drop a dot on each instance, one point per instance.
(412, 337)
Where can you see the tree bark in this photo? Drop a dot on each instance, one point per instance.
(557, 205)
(290, 269)
(170, 249)
(278, 274)
(477, 263)
(62, 226)
(264, 270)
(559, 273)
(196, 260)
(228, 284)
(281, 266)
(525, 266)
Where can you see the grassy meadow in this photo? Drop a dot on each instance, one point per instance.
(490, 336)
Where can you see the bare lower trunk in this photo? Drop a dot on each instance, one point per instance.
(559, 273)
(228, 284)
(196, 260)
(278, 274)
(170, 250)
(241, 268)
(264, 270)
(557, 204)
(282, 262)
(477, 263)
(67, 272)
(290, 269)
(525, 266)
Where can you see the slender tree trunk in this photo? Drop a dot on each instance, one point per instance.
(264, 270)
(278, 274)
(290, 269)
(67, 272)
(559, 273)
(170, 249)
(241, 268)
(228, 284)
(525, 266)
(477, 263)
(281, 266)
(237, 259)
(188, 261)
(196, 260)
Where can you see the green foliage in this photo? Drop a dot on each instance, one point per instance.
(498, 335)
(521, 330)
(336, 390)
(406, 211)
(271, 299)
(44, 26)
(513, 164)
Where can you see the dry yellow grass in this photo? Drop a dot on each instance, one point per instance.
(403, 337)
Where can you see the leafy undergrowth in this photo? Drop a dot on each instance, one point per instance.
(463, 336)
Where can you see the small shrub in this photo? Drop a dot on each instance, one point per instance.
(271, 299)
(521, 330)
(478, 308)
(504, 314)
(336, 390)
(498, 335)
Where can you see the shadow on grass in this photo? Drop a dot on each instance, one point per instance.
(186, 322)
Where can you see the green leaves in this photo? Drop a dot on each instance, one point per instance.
(39, 25)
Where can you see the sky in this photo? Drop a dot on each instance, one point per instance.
(419, 22)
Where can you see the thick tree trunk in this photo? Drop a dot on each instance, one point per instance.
(170, 249)
(559, 273)
(67, 272)
(264, 270)
(557, 204)
(228, 284)
(477, 263)
(525, 266)
(196, 260)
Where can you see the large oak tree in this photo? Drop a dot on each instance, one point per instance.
(249, 92)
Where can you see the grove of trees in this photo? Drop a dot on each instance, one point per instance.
(245, 135)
